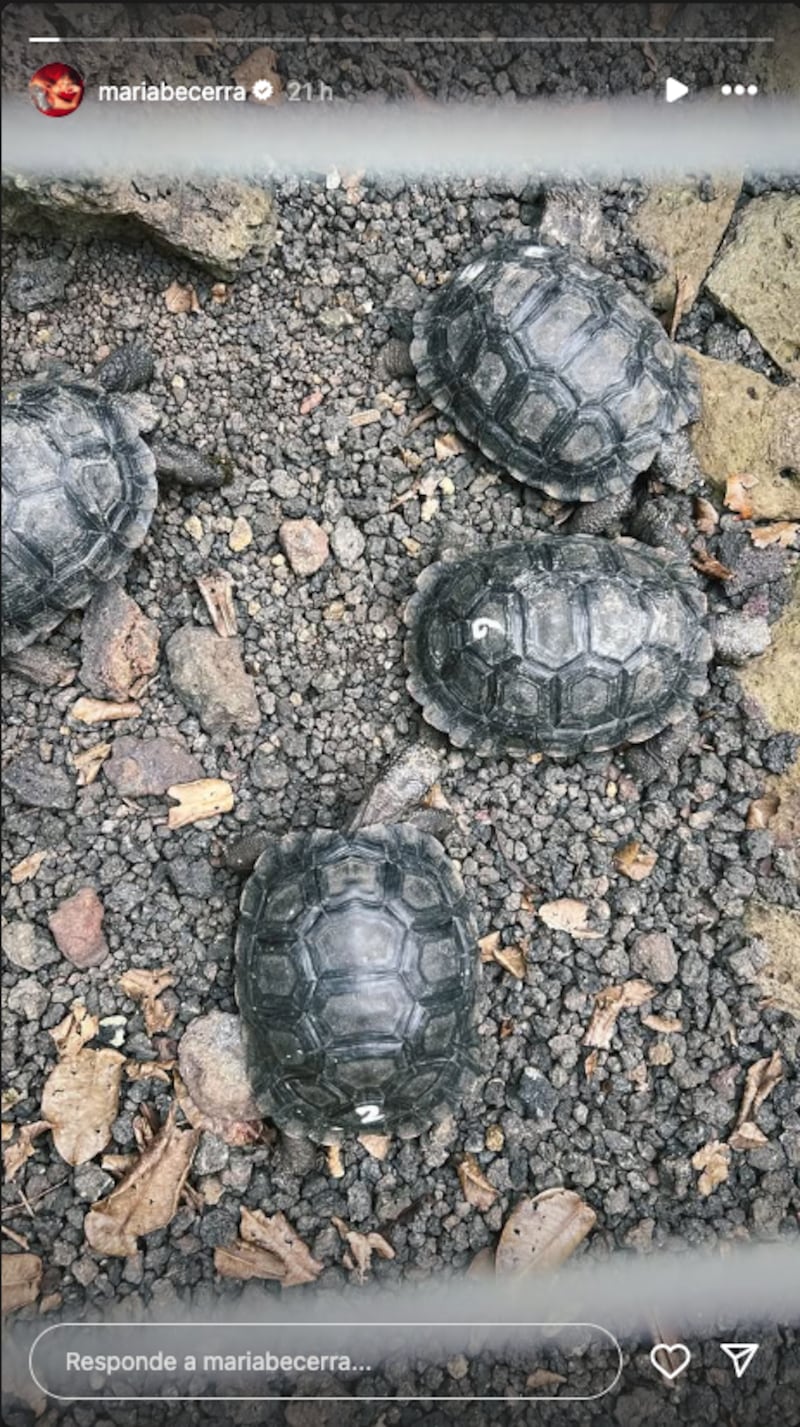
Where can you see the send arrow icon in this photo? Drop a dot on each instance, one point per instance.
(741, 1355)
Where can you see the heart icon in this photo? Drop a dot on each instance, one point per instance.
(677, 1350)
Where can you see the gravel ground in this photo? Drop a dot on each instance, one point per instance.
(326, 654)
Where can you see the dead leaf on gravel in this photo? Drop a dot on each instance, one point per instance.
(20, 1151)
(365, 418)
(89, 763)
(760, 1082)
(590, 1064)
(706, 516)
(436, 799)
(474, 1185)
(713, 1160)
(181, 297)
(446, 446)
(361, 1247)
(708, 565)
(217, 591)
(147, 1198)
(310, 402)
(541, 1233)
(761, 811)
(204, 798)
(149, 1070)
(102, 710)
(482, 1266)
(737, 495)
(78, 1027)
(145, 988)
(21, 1281)
(26, 870)
(634, 861)
(267, 1248)
(378, 1146)
(80, 1100)
(685, 288)
(608, 1005)
(747, 1136)
(542, 1378)
(783, 532)
(512, 959)
(571, 916)
(488, 945)
(665, 1025)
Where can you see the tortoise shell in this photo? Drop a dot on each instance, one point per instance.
(79, 489)
(555, 370)
(356, 978)
(558, 644)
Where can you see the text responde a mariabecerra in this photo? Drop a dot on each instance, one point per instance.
(110, 1363)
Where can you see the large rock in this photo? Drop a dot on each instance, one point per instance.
(681, 226)
(39, 785)
(146, 767)
(774, 679)
(119, 644)
(27, 947)
(225, 225)
(757, 278)
(749, 424)
(209, 676)
(77, 927)
(211, 1060)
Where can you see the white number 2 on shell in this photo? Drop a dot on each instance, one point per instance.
(369, 1114)
(481, 627)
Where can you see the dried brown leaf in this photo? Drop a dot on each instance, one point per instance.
(634, 861)
(80, 1100)
(149, 1070)
(713, 1160)
(365, 418)
(89, 762)
(103, 710)
(747, 1136)
(21, 1281)
(361, 1248)
(706, 516)
(762, 1077)
(567, 914)
(762, 810)
(685, 289)
(204, 798)
(145, 988)
(217, 591)
(241, 1260)
(181, 297)
(78, 1027)
(665, 1025)
(591, 1063)
(474, 1185)
(26, 870)
(275, 1236)
(708, 565)
(608, 1005)
(482, 1266)
(488, 945)
(782, 532)
(542, 1233)
(310, 402)
(22, 1148)
(737, 495)
(220, 292)
(147, 1198)
(446, 446)
(378, 1146)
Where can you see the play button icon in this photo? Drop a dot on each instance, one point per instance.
(675, 90)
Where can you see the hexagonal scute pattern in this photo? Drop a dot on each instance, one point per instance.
(576, 643)
(554, 369)
(358, 1010)
(79, 489)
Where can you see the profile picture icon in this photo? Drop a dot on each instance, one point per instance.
(56, 90)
